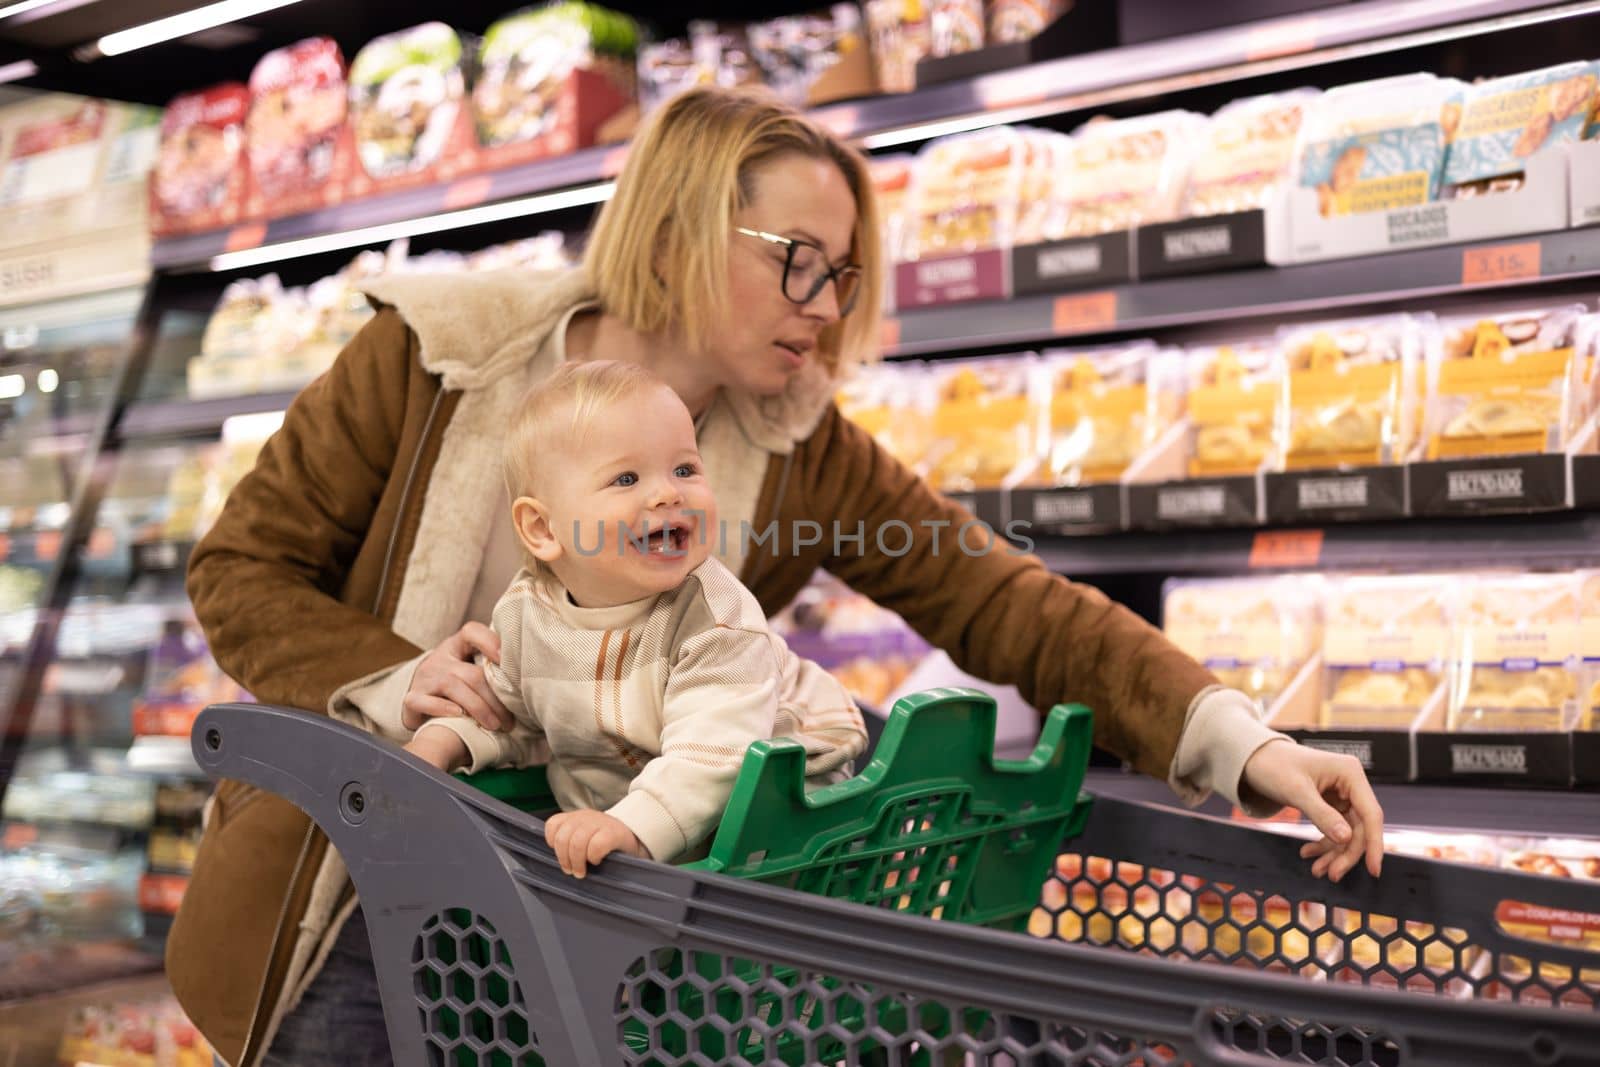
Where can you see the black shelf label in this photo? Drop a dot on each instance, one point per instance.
(1586, 757)
(1076, 263)
(1203, 245)
(1485, 484)
(1495, 758)
(1195, 502)
(986, 505)
(1068, 509)
(1321, 495)
(1586, 482)
(1385, 754)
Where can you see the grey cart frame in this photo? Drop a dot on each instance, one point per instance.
(472, 919)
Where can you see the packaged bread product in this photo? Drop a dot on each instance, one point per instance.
(1385, 648)
(296, 129)
(667, 68)
(1589, 649)
(1506, 383)
(965, 193)
(1517, 655)
(1354, 391)
(1011, 21)
(985, 422)
(1587, 335)
(810, 59)
(406, 96)
(201, 171)
(1247, 151)
(891, 178)
(1235, 401)
(957, 25)
(1041, 213)
(526, 60)
(1575, 859)
(1506, 120)
(890, 402)
(1129, 172)
(901, 36)
(236, 338)
(1106, 406)
(1253, 633)
(1377, 145)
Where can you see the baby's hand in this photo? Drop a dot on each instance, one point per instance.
(583, 838)
(442, 748)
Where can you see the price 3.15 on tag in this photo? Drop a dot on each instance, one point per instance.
(1500, 263)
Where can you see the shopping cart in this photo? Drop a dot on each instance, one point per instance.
(487, 954)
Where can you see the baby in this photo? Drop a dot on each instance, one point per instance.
(632, 661)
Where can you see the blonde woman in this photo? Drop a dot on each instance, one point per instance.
(357, 564)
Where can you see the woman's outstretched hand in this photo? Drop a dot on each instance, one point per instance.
(1330, 790)
(448, 681)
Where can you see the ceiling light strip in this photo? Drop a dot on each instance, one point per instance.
(183, 24)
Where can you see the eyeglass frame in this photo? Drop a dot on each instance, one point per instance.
(832, 274)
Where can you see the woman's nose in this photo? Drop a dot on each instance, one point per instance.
(825, 305)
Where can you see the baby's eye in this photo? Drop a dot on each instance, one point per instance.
(686, 470)
(625, 479)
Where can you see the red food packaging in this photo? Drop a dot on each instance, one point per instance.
(298, 138)
(201, 175)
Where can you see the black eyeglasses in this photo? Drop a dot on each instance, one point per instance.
(806, 271)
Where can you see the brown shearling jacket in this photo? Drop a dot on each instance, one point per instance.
(299, 584)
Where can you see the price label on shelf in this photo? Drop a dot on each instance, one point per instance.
(1084, 312)
(46, 544)
(1286, 548)
(249, 235)
(1500, 263)
(468, 192)
(102, 543)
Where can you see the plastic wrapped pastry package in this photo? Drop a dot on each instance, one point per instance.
(244, 327)
(296, 130)
(1589, 649)
(957, 25)
(985, 424)
(1386, 645)
(891, 402)
(1371, 146)
(1506, 120)
(1042, 206)
(1247, 152)
(797, 52)
(1355, 390)
(1252, 633)
(1129, 172)
(1106, 405)
(201, 171)
(901, 36)
(1506, 383)
(1576, 859)
(891, 178)
(1011, 21)
(965, 193)
(1235, 404)
(1517, 657)
(407, 92)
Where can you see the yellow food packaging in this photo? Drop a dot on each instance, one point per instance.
(1252, 633)
(1354, 391)
(1517, 653)
(889, 401)
(985, 424)
(1505, 384)
(1235, 404)
(1385, 648)
(1589, 649)
(1106, 406)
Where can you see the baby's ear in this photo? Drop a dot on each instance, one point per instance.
(535, 529)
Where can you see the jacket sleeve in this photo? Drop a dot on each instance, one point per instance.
(1000, 614)
(721, 695)
(265, 580)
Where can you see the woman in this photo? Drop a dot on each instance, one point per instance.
(739, 261)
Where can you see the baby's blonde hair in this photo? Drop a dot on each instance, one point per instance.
(560, 409)
(658, 256)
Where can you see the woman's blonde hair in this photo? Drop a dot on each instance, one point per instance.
(658, 254)
(560, 409)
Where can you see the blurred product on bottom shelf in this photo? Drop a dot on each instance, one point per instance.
(144, 1033)
(1386, 646)
(1515, 978)
(1253, 633)
(870, 650)
(58, 896)
(182, 680)
(1517, 654)
(42, 790)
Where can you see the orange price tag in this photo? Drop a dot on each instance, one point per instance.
(102, 542)
(1084, 312)
(5, 545)
(1283, 39)
(889, 334)
(1286, 548)
(1500, 263)
(19, 834)
(467, 192)
(162, 893)
(248, 235)
(611, 163)
(46, 543)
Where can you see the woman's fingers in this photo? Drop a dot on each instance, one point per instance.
(475, 637)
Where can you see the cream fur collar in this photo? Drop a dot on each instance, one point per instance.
(476, 329)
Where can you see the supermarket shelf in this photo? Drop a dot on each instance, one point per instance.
(1426, 807)
(1563, 539)
(1200, 298)
(1054, 87)
(180, 418)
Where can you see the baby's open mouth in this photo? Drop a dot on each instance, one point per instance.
(668, 541)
